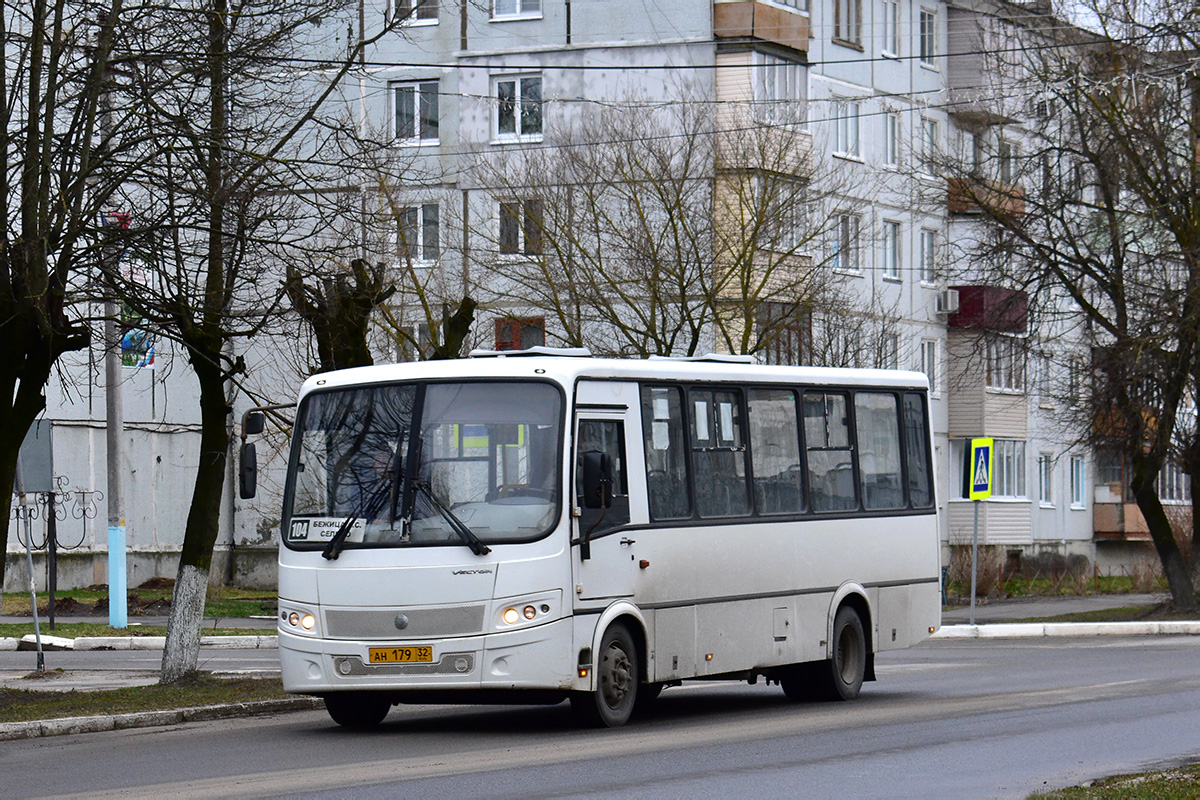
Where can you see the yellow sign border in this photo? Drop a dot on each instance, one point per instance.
(976, 446)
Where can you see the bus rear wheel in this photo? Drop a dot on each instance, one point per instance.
(611, 703)
(837, 678)
(358, 710)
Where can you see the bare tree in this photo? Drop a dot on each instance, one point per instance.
(61, 164)
(661, 228)
(1090, 207)
(238, 119)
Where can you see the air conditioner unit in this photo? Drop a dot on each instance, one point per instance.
(947, 301)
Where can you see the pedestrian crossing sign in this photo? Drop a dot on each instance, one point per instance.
(979, 467)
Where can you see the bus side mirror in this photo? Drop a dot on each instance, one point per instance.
(248, 472)
(597, 480)
(254, 423)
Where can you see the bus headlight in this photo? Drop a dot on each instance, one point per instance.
(524, 611)
(297, 620)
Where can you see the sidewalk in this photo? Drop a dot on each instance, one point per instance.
(994, 620)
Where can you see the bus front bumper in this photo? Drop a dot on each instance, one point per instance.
(540, 657)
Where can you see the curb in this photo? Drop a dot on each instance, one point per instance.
(1037, 630)
(151, 719)
(260, 642)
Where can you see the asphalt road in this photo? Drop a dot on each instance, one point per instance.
(946, 719)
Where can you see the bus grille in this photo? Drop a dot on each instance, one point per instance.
(422, 623)
(450, 664)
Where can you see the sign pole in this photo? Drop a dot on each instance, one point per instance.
(974, 558)
(979, 487)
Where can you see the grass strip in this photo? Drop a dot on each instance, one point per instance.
(22, 705)
(1182, 783)
(73, 630)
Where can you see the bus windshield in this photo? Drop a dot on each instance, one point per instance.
(386, 462)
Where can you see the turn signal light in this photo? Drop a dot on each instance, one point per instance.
(529, 612)
(294, 619)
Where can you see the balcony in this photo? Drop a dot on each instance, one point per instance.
(747, 145)
(972, 196)
(991, 308)
(749, 19)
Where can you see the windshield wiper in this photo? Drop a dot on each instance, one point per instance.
(368, 509)
(456, 524)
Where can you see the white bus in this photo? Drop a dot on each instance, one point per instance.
(543, 525)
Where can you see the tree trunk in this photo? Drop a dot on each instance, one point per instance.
(1179, 579)
(182, 649)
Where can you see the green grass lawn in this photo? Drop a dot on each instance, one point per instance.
(1182, 783)
(151, 598)
(73, 630)
(18, 705)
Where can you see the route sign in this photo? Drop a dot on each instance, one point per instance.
(979, 468)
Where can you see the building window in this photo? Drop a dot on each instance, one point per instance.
(844, 244)
(846, 133)
(1174, 485)
(1008, 468)
(889, 352)
(891, 139)
(518, 107)
(508, 9)
(799, 5)
(784, 229)
(416, 112)
(783, 328)
(778, 89)
(415, 11)
(847, 21)
(1005, 364)
(521, 227)
(929, 364)
(929, 141)
(1046, 480)
(520, 333)
(1078, 498)
(891, 250)
(929, 271)
(1008, 161)
(891, 27)
(928, 36)
(418, 234)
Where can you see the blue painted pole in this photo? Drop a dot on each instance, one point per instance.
(118, 595)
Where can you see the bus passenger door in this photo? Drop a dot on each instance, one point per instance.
(611, 570)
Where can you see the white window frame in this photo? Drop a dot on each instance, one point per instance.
(420, 94)
(891, 139)
(519, 83)
(779, 85)
(523, 206)
(422, 251)
(891, 29)
(1046, 480)
(890, 351)
(1078, 483)
(847, 127)
(794, 5)
(845, 244)
(892, 258)
(929, 140)
(1005, 365)
(1008, 469)
(927, 31)
(931, 365)
(521, 9)
(1174, 485)
(847, 22)
(410, 12)
(928, 256)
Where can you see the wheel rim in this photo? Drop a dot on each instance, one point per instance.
(847, 655)
(616, 676)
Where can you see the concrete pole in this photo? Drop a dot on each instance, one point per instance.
(118, 601)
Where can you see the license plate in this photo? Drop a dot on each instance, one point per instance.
(416, 654)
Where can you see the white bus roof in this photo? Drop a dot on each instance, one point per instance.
(565, 369)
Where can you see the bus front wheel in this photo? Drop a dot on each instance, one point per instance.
(612, 702)
(358, 710)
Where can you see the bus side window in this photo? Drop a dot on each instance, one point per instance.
(877, 425)
(718, 453)
(666, 455)
(827, 442)
(916, 451)
(775, 451)
(605, 436)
